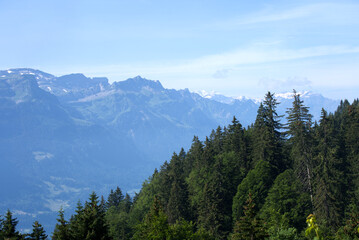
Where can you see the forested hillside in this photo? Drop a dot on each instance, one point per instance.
(266, 181)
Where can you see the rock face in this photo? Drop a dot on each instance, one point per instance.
(63, 137)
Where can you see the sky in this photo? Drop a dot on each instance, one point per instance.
(236, 48)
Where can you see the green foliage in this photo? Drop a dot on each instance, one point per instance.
(249, 226)
(313, 231)
(38, 232)
(118, 223)
(286, 204)
(328, 177)
(155, 225)
(144, 199)
(61, 231)
(267, 136)
(283, 234)
(186, 230)
(300, 141)
(114, 198)
(258, 182)
(8, 230)
(89, 221)
(201, 194)
(351, 228)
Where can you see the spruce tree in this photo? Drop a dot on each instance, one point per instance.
(9, 227)
(300, 140)
(328, 184)
(178, 204)
(234, 137)
(114, 198)
(267, 136)
(94, 220)
(155, 225)
(257, 182)
(126, 203)
(211, 211)
(77, 226)
(286, 205)
(249, 226)
(38, 232)
(61, 231)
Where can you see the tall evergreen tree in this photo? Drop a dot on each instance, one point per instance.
(9, 227)
(94, 219)
(61, 231)
(234, 137)
(77, 227)
(211, 211)
(155, 225)
(38, 232)
(286, 205)
(89, 222)
(267, 136)
(300, 140)
(178, 204)
(257, 182)
(328, 185)
(114, 198)
(352, 149)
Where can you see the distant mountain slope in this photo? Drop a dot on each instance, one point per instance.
(61, 137)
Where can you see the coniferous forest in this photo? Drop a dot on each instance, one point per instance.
(270, 180)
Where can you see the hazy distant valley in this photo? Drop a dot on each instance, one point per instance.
(63, 137)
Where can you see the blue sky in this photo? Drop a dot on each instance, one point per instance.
(232, 47)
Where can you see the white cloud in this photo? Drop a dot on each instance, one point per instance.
(56, 204)
(22, 213)
(209, 65)
(240, 70)
(39, 156)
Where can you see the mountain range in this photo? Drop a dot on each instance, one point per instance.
(63, 137)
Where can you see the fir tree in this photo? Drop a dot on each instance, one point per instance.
(249, 226)
(38, 232)
(155, 225)
(268, 138)
(298, 129)
(286, 204)
(328, 199)
(94, 220)
(61, 231)
(258, 182)
(114, 198)
(77, 227)
(9, 227)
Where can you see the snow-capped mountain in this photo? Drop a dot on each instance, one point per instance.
(314, 101)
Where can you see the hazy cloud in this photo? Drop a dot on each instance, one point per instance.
(326, 13)
(285, 84)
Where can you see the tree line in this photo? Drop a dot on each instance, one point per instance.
(297, 180)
